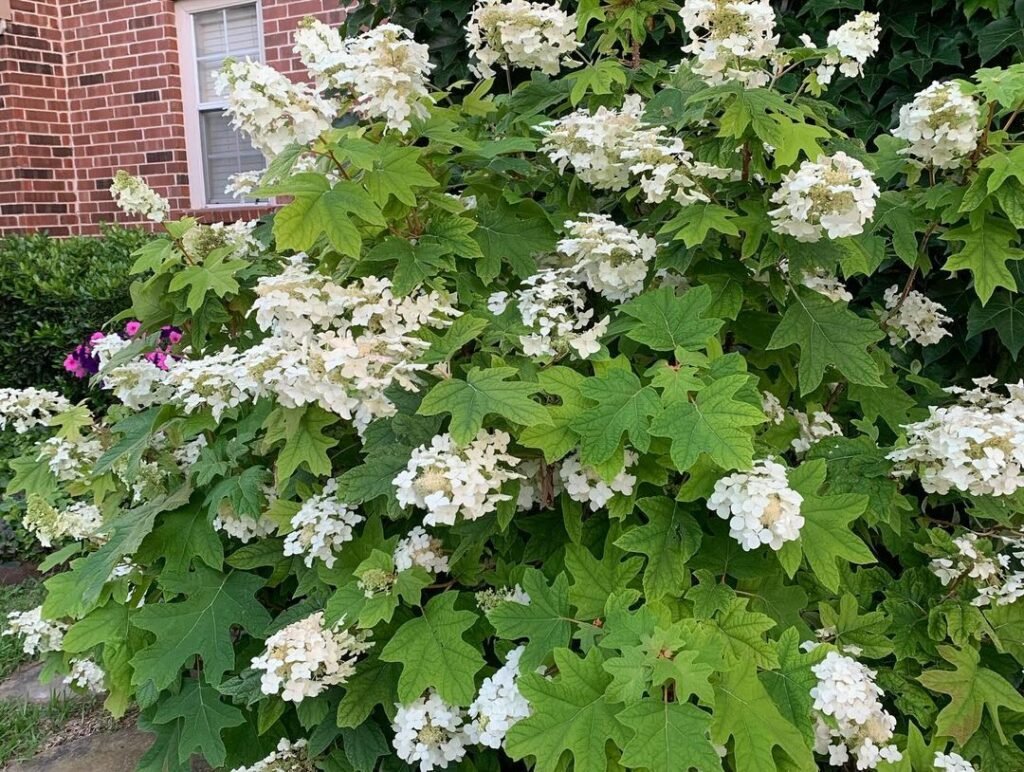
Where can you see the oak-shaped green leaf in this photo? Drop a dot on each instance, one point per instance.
(669, 539)
(556, 438)
(201, 625)
(483, 393)
(546, 621)
(828, 335)
(397, 172)
(305, 444)
(972, 690)
(571, 713)
(743, 634)
(716, 423)
(623, 405)
(203, 716)
(594, 581)
(668, 735)
(432, 652)
(666, 322)
(1003, 313)
(215, 274)
(985, 252)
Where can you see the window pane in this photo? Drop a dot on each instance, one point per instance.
(225, 152)
(222, 33)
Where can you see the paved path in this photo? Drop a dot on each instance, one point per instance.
(24, 685)
(118, 751)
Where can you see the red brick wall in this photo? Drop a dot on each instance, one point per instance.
(88, 87)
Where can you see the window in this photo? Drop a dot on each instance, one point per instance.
(209, 32)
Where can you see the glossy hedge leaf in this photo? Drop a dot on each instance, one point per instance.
(828, 334)
(201, 625)
(546, 621)
(483, 393)
(716, 424)
(666, 322)
(668, 735)
(203, 718)
(570, 714)
(432, 653)
(623, 405)
(972, 689)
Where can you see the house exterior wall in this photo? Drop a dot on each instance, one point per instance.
(88, 87)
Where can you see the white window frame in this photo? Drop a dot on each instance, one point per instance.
(184, 11)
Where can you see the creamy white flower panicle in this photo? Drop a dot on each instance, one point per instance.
(243, 527)
(851, 719)
(429, 733)
(853, 44)
(51, 526)
(556, 313)
(952, 762)
(39, 636)
(384, 69)
(24, 409)
(70, 460)
(517, 33)
(975, 446)
(321, 527)
(237, 237)
(187, 455)
(242, 184)
(730, 40)
(772, 408)
(449, 481)
(271, 110)
(584, 484)
(134, 197)
(306, 657)
(915, 318)
(814, 428)
(833, 196)
(86, 674)
(489, 599)
(419, 548)
(998, 577)
(828, 285)
(760, 506)
(287, 757)
(942, 125)
(610, 258)
(498, 705)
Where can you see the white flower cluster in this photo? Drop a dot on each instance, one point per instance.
(52, 526)
(70, 460)
(772, 408)
(498, 705)
(305, 658)
(538, 485)
(489, 599)
(941, 125)
(237, 238)
(274, 112)
(86, 674)
(429, 732)
(852, 45)
(828, 285)
(39, 635)
(584, 484)
(760, 506)
(535, 36)
(321, 526)
(288, 757)
(134, 197)
(610, 147)
(952, 762)
(851, 718)
(24, 409)
(611, 259)
(814, 428)
(915, 317)
(243, 527)
(556, 313)
(730, 40)
(997, 576)
(449, 481)
(834, 195)
(975, 446)
(419, 548)
(383, 69)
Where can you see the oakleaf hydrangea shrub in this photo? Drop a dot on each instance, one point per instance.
(617, 419)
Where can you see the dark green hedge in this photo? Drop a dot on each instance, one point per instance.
(53, 294)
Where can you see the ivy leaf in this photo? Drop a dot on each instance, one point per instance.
(623, 406)
(200, 626)
(825, 537)
(668, 322)
(716, 423)
(546, 622)
(483, 393)
(305, 444)
(668, 735)
(972, 690)
(570, 713)
(203, 718)
(745, 712)
(985, 252)
(1004, 313)
(669, 539)
(827, 334)
(432, 653)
